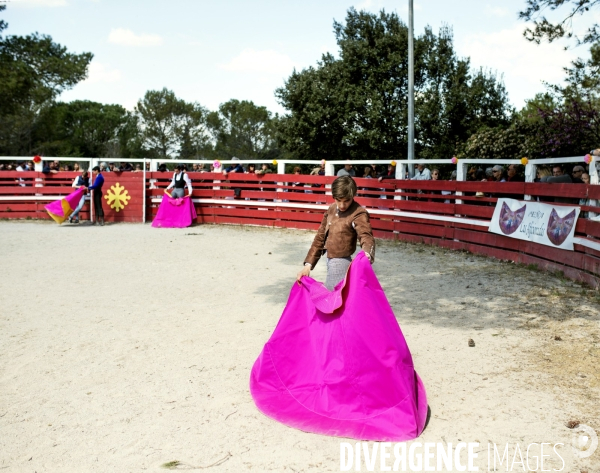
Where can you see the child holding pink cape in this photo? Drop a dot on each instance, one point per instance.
(337, 363)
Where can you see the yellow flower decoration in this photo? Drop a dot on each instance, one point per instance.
(524, 161)
(393, 163)
(274, 162)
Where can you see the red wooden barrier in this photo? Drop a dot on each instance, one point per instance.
(417, 211)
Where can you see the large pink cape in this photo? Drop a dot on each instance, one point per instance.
(337, 363)
(60, 210)
(175, 213)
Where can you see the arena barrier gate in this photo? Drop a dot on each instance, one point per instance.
(450, 214)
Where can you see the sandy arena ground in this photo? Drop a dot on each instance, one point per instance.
(126, 348)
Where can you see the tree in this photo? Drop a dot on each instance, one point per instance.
(355, 106)
(170, 126)
(545, 30)
(81, 128)
(244, 130)
(33, 72)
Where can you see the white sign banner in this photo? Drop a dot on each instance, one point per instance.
(533, 221)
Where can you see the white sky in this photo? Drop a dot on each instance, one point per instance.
(213, 51)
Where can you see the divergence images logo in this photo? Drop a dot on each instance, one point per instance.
(584, 441)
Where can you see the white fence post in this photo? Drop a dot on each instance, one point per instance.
(400, 175)
(461, 172)
(594, 181)
(530, 170)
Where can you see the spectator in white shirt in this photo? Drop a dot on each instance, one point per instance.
(422, 173)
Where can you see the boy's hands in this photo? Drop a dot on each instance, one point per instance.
(305, 272)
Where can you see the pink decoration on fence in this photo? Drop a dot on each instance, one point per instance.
(337, 363)
(454, 160)
(216, 164)
(588, 158)
(175, 213)
(60, 210)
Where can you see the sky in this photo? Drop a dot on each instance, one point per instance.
(213, 51)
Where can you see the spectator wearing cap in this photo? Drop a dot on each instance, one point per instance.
(513, 174)
(234, 166)
(179, 182)
(346, 171)
(576, 175)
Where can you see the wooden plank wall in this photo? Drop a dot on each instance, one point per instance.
(282, 200)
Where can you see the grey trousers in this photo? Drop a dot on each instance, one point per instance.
(177, 193)
(336, 271)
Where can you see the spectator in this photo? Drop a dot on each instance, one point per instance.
(112, 167)
(76, 167)
(559, 177)
(265, 169)
(422, 173)
(104, 167)
(513, 174)
(576, 174)
(452, 178)
(435, 174)
(235, 167)
(297, 172)
(389, 174)
(78, 182)
(489, 175)
(367, 173)
(542, 172)
(2, 167)
(346, 171)
(138, 168)
(251, 169)
(472, 174)
(126, 167)
(162, 168)
(20, 166)
(585, 177)
(557, 171)
(49, 168)
(498, 173)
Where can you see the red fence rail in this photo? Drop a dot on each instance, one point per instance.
(449, 214)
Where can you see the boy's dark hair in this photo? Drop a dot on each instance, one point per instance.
(343, 188)
(96, 168)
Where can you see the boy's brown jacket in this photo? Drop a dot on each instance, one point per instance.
(338, 233)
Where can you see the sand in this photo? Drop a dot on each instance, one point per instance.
(126, 348)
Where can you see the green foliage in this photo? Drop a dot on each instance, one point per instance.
(170, 126)
(545, 30)
(244, 130)
(33, 72)
(80, 128)
(355, 106)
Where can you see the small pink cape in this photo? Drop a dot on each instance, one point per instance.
(60, 210)
(175, 213)
(337, 363)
